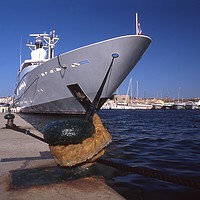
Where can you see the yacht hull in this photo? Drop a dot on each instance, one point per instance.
(44, 88)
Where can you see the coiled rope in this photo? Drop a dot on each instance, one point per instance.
(152, 173)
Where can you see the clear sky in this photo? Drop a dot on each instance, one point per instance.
(171, 63)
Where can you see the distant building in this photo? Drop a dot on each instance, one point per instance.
(122, 99)
(7, 99)
(4, 108)
(5, 103)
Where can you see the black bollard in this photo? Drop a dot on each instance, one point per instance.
(10, 118)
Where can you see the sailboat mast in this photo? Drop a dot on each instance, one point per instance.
(137, 88)
(131, 88)
(131, 82)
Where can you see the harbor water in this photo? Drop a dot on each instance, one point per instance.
(165, 140)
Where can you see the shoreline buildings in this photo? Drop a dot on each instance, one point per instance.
(126, 102)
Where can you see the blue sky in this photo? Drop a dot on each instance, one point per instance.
(171, 63)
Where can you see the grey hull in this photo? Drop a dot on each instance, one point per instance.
(44, 89)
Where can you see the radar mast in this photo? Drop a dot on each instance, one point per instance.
(45, 41)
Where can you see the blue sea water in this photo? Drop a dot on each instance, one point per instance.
(165, 140)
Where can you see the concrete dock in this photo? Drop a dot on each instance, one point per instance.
(25, 161)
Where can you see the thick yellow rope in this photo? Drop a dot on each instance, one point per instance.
(87, 151)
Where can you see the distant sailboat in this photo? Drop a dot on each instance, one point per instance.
(140, 105)
(125, 104)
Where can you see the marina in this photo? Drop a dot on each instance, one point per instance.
(126, 102)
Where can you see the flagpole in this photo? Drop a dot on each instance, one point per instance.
(136, 23)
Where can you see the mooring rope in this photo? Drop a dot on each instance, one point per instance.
(152, 173)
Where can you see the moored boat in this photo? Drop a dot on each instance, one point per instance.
(48, 84)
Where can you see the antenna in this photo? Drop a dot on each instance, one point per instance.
(20, 52)
(48, 40)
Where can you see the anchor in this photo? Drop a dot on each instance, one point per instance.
(79, 94)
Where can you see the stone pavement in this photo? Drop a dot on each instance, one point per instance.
(26, 164)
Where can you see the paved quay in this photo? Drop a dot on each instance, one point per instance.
(25, 162)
